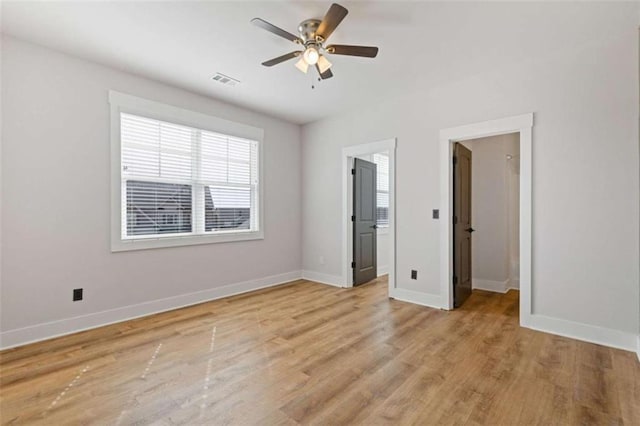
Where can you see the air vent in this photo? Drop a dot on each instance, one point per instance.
(225, 79)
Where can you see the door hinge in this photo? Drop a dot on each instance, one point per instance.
(455, 220)
(455, 160)
(353, 218)
(353, 171)
(455, 280)
(353, 264)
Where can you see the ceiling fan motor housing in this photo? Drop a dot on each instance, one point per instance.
(307, 30)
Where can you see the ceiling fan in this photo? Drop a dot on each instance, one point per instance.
(312, 34)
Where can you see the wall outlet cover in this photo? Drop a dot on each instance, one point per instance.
(77, 294)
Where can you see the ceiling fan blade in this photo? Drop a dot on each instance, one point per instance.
(342, 49)
(276, 61)
(275, 30)
(331, 20)
(327, 74)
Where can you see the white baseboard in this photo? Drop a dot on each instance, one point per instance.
(44, 331)
(488, 285)
(319, 277)
(585, 332)
(417, 297)
(383, 270)
(514, 283)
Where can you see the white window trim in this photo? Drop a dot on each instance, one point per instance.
(120, 103)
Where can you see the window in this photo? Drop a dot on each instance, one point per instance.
(382, 162)
(182, 184)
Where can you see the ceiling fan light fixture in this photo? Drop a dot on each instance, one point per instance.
(302, 65)
(311, 55)
(323, 64)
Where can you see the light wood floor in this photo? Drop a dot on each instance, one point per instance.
(309, 353)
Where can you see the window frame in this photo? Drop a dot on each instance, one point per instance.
(124, 103)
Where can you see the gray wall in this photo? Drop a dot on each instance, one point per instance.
(55, 188)
(585, 167)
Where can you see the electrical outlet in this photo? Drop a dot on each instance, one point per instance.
(77, 294)
(414, 274)
(436, 213)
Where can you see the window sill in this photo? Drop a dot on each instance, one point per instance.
(190, 240)
(383, 230)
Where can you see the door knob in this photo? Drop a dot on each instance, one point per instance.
(374, 226)
(469, 230)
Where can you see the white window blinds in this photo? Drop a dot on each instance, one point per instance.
(179, 180)
(382, 162)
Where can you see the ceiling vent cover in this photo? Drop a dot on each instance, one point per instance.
(225, 79)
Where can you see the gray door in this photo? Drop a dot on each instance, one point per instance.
(461, 224)
(364, 222)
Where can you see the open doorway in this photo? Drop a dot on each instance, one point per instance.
(486, 214)
(369, 239)
(523, 126)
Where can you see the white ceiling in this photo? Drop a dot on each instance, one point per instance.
(185, 43)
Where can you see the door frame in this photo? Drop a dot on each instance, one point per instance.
(522, 124)
(348, 154)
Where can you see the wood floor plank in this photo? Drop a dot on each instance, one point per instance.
(306, 353)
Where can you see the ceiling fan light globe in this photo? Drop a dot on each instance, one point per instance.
(323, 64)
(302, 65)
(311, 55)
